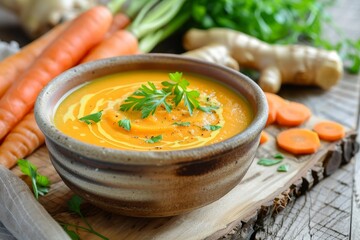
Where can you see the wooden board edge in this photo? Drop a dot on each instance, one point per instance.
(340, 153)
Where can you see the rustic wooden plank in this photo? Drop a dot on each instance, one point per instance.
(322, 213)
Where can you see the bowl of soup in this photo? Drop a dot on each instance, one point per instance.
(151, 135)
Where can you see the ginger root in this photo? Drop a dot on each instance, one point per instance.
(288, 64)
(38, 16)
(214, 53)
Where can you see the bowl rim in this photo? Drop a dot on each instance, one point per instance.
(164, 157)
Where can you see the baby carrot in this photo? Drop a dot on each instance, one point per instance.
(298, 141)
(23, 139)
(329, 131)
(120, 21)
(120, 43)
(13, 66)
(64, 52)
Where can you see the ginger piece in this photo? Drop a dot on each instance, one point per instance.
(214, 53)
(287, 64)
(38, 16)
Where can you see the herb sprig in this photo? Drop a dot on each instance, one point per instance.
(94, 117)
(40, 183)
(74, 205)
(148, 98)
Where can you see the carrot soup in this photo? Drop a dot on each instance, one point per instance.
(152, 110)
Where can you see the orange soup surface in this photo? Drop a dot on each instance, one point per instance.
(221, 113)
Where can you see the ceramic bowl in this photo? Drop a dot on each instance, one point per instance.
(158, 183)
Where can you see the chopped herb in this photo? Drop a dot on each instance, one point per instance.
(207, 109)
(94, 117)
(125, 124)
(154, 139)
(147, 98)
(184, 124)
(178, 86)
(40, 183)
(283, 168)
(278, 156)
(211, 127)
(74, 205)
(268, 162)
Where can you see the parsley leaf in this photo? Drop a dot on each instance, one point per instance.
(74, 205)
(207, 109)
(279, 156)
(146, 99)
(183, 124)
(94, 117)
(125, 124)
(211, 127)
(283, 168)
(178, 86)
(154, 139)
(40, 183)
(268, 162)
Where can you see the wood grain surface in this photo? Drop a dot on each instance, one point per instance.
(322, 213)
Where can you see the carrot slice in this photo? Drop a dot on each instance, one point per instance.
(274, 102)
(329, 130)
(264, 137)
(292, 114)
(298, 141)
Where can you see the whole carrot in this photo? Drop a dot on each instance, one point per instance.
(64, 52)
(23, 139)
(120, 43)
(13, 66)
(120, 21)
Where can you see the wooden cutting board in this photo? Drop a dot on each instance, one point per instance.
(263, 190)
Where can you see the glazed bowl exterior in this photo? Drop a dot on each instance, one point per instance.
(152, 183)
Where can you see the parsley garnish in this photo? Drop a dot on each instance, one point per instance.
(183, 124)
(283, 168)
(125, 124)
(279, 156)
(268, 162)
(94, 117)
(207, 109)
(154, 139)
(147, 98)
(74, 205)
(211, 127)
(40, 183)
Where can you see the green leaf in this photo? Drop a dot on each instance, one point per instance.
(184, 124)
(125, 124)
(25, 166)
(268, 162)
(74, 204)
(40, 184)
(211, 127)
(94, 117)
(147, 98)
(207, 109)
(154, 139)
(72, 234)
(278, 156)
(283, 168)
(42, 180)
